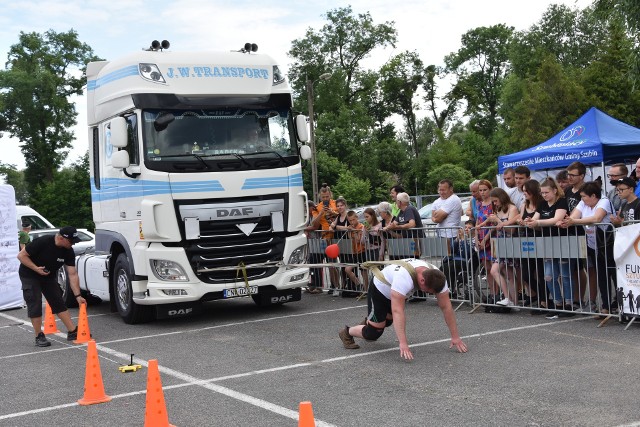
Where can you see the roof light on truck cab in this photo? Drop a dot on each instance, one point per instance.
(249, 47)
(151, 72)
(156, 45)
(168, 270)
(278, 77)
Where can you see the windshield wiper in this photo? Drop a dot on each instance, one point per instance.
(242, 159)
(201, 161)
(266, 151)
(192, 155)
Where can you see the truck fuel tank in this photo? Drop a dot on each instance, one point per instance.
(93, 272)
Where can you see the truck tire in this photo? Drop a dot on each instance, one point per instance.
(130, 312)
(65, 288)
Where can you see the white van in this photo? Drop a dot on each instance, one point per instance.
(26, 214)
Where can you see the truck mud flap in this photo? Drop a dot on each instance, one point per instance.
(183, 309)
(270, 297)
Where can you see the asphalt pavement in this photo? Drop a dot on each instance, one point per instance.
(240, 365)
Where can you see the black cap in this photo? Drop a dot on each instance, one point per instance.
(626, 181)
(70, 233)
(26, 224)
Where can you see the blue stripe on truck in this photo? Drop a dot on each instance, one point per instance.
(114, 188)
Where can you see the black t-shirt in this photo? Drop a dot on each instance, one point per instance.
(526, 231)
(631, 211)
(339, 234)
(572, 199)
(410, 213)
(44, 253)
(548, 212)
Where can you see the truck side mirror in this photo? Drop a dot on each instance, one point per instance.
(118, 130)
(301, 128)
(305, 152)
(120, 159)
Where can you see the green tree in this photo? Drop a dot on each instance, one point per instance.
(349, 110)
(606, 79)
(430, 87)
(400, 79)
(458, 175)
(480, 66)
(629, 10)
(357, 191)
(329, 169)
(549, 102)
(42, 72)
(572, 37)
(66, 199)
(339, 46)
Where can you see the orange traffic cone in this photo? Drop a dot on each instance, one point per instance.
(84, 334)
(93, 387)
(305, 418)
(49, 321)
(155, 414)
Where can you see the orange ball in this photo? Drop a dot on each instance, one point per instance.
(332, 251)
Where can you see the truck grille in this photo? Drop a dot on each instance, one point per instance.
(223, 244)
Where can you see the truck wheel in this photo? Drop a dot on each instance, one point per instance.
(65, 288)
(130, 312)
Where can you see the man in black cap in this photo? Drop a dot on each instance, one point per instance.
(630, 211)
(39, 262)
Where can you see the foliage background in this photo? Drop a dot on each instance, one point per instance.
(406, 122)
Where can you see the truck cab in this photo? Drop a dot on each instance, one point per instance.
(196, 182)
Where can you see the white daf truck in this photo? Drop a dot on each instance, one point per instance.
(196, 182)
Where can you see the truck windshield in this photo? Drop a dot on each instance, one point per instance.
(218, 135)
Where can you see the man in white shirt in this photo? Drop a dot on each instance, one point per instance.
(447, 210)
(386, 305)
(522, 174)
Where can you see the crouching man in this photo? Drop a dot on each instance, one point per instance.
(386, 304)
(39, 263)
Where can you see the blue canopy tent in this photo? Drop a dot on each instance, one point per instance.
(595, 138)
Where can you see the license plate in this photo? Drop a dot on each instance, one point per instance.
(240, 292)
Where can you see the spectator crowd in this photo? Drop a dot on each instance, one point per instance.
(555, 284)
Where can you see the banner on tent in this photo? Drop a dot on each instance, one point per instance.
(627, 255)
(555, 160)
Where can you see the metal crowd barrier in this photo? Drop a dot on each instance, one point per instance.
(427, 243)
(577, 279)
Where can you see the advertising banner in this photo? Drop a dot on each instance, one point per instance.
(627, 255)
(10, 292)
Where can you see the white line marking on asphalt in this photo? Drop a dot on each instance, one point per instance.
(189, 380)
(246, 322)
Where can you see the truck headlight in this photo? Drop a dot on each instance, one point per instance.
(298, 256)
(168, 270)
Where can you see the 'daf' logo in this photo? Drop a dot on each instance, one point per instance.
(570, 133)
